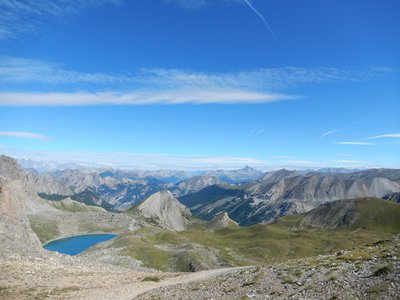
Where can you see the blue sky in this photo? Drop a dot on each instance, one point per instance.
(198, 84)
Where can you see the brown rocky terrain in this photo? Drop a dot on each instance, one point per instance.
(370, 272)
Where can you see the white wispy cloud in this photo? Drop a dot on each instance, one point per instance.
(28, 135)
(154, 85)
(19, 18)
(330, 132)
(355, 143)
(345, 154)
(302, 162)
(18, 71)
(348, 161)
(29, 17)
(162, 97)
(382, 136)
(280, 156)
(266, 78)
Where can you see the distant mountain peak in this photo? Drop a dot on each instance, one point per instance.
(248, 168)
(238, 176)
(220, 222)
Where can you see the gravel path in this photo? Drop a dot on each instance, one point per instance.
(186, 279)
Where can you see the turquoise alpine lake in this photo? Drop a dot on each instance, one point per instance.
(76, 244)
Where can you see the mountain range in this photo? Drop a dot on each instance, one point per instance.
(247, 195)
(286, 192)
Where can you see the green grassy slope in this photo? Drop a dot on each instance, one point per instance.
(378, 215)
(288, 238)
(72, 206)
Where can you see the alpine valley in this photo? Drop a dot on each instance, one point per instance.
(224, 234)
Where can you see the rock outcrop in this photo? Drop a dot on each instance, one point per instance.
(165, 211)
(16, 235)
(220, 222)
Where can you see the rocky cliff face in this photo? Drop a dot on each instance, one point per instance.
(24, 217)
(164, 210)
(395, 197)
(44, 183)
(16, 235)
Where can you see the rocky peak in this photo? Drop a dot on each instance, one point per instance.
(16, 235)
(219, 222)
(248, 169)
(10, 168)
(165, 210)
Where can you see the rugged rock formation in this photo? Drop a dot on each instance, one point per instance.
(393, 197)
(16, 235)
(165, 211)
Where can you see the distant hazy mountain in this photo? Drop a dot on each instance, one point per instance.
(41, 166)
(244, 175)
(195, 184)
(158, 176)
(115, 190)
(93, 187)
(255, 198)
(391, 174)
(337, 170)
(287, 192)
(276, 176)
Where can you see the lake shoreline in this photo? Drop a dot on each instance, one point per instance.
(74, 245)
(75, 235)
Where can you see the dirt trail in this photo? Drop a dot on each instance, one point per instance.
(182, 279)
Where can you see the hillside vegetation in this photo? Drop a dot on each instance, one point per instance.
(290, 237)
